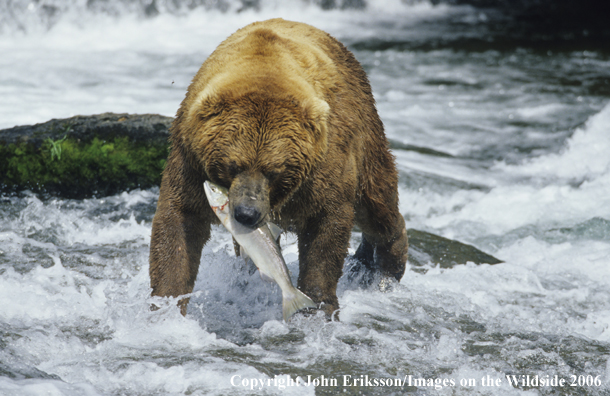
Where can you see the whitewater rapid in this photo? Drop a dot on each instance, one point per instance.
(503, 148)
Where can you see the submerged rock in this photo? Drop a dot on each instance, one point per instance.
(425, 248)
(85, 156)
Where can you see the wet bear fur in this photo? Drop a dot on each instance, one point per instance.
(283, 116)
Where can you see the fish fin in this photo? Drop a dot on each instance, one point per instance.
(243, 254)
(251, 267)
(236, 247)
(276, 232)
(295, 303)
(247, 260)
(265, 277)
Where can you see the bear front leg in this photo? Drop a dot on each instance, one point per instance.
(323, 244)
(181, 227)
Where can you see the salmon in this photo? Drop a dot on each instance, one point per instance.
(261, 246)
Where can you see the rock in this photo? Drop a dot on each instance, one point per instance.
(425, 248)
(141, 128)
(85, 156)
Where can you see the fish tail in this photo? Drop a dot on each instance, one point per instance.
(295, 302)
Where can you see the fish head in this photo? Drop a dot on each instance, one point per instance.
(218, 197)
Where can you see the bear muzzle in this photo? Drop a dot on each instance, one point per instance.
(249, 198)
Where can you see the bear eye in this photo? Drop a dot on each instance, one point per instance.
(272, 175)
(233, 169)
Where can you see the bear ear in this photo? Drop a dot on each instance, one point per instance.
(204, 105)
(315, 114)
(208, 108)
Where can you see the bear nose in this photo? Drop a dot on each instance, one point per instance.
(247, 215)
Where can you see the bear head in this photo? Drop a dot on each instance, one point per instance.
(261, 144)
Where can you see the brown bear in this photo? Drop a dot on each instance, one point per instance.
(282, 115)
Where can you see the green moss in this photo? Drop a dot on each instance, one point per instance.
(73, 169)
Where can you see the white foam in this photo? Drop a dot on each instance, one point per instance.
(60, 306)
(585, 156)
(37, 387)
(547, 196)
(53, 294)
(506, 208)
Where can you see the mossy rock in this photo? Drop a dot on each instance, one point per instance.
(85, 156)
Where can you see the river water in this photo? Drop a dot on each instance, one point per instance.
(501, 140)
